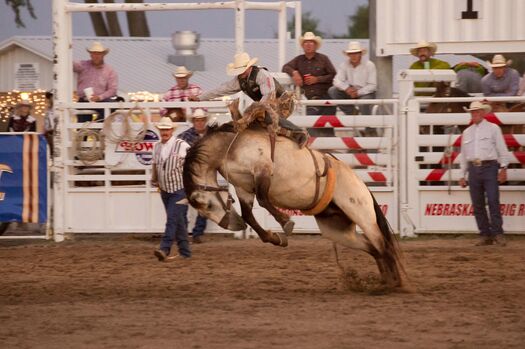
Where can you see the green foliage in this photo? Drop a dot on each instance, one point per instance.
(309, 24)
(358, 23)
(16, 5)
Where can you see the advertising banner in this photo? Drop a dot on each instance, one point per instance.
(23, 178)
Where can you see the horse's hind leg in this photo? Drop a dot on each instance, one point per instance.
(262, 187)
(246, 202)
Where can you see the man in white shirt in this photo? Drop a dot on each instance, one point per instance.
(485, 157)
(354, 79)
(168, 161)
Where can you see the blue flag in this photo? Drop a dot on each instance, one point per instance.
(23, 178)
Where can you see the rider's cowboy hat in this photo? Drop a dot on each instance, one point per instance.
(97, 47)
(182, 72)
(499, 61)
(241, 62)
(477, 105)
(424, 44)
(309, 36)
(165, 123)
(199, 113)
(354, 47)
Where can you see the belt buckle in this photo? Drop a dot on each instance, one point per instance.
(476, 162)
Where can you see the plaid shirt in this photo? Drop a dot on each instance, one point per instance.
(176, 94)
(190, 136)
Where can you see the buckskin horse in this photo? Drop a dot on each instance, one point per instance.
(297, 178)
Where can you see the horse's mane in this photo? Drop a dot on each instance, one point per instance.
(197, 154)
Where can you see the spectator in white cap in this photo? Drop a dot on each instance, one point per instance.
(199, 119)
(22, 120)
(96, 80)
(502, 81)
(484, 157)
(181, 92)
(313, 72)
(167, 166)
(355, 79)
(425, 51)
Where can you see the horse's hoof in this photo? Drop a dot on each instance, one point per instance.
(288, 228)
(283, 240)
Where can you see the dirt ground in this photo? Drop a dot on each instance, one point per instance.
(110, 292)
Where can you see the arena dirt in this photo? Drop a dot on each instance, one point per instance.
(110, 292)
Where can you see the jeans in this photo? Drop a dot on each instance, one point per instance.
(176, 223)
(484, 180)
(98, 113)
(199, 227)
(320, 110)
(365, 109)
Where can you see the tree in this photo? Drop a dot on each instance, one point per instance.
(308, 22)
(358, 23)
(16, 5)
(104, 23)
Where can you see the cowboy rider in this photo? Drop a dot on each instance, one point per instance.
(257, 83)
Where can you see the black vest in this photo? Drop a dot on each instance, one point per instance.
(250, 87)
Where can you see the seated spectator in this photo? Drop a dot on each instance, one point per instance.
(21, 120)
(469, 76)
(181, 92)
(97, 81)
(502, 81)
(355, 79)
(424, 51)
(313, 72)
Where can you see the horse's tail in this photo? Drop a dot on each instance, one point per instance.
(392, 252)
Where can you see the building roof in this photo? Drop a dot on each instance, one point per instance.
(142, 63)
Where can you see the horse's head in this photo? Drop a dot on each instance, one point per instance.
(200, 181)
(216, 204)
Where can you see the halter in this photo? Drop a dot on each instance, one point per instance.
(227, 206)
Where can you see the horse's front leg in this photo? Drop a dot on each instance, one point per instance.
(246, 202)
(262, 188)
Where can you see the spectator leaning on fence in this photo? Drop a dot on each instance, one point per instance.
(181, 92)
(313, 72)
(424, 51)
(484, 157)
(355, 79)
(468, 76)
(21, 120)
(502, 81)
(168, 161)
(199, 119)
(96, 80)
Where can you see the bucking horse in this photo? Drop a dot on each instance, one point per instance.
(297, 178)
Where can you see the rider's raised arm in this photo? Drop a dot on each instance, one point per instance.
(225, 89)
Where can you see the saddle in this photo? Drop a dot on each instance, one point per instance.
(271, 116)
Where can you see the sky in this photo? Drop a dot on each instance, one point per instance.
(332, 15)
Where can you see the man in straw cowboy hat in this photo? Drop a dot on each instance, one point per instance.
(485, 157)
(96, 80)
(181, 92)
(167, 165)
(313, 72)
(355, 79)
(21, 120)
(425, 51)
(502, 81)
(259, 85)
(199, 119)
